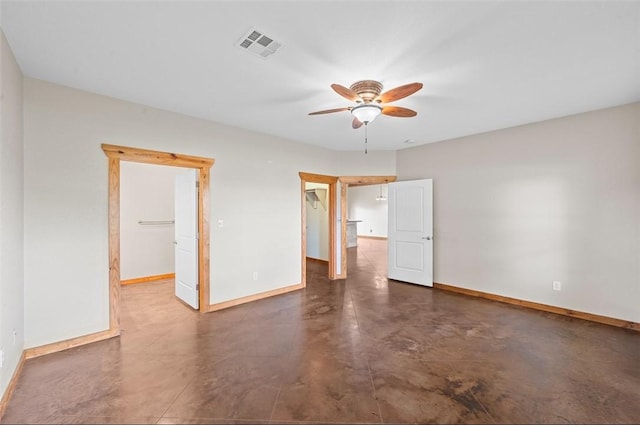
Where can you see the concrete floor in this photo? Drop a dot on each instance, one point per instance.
(362, 350)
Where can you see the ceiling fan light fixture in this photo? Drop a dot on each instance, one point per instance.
(366, 113)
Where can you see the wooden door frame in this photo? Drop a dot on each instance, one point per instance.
(116, 154)
(345, 182)
(332, 182)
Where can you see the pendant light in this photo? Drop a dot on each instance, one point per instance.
(381, 197)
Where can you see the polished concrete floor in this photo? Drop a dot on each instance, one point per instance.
(364, 350)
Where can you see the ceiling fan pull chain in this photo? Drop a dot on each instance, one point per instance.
(365, 137)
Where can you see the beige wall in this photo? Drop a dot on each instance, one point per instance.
(147, 194)
(513, 209)
(11, 214)
(317, 223)
(372, 214)
(255, 189)
(517, 208)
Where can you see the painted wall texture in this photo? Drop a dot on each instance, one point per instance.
(11, 214)
(255, 189)
(317, 222)
(518, 208)
(146, 194)
(373, 213)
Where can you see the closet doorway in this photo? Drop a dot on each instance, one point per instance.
(147, 220)
(115, 155)
(337, 207)
(308, 180)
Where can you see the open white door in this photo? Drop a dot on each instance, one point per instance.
(338, 231)
(186, 237)
(410, 237)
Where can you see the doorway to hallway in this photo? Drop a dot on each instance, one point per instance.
(337, 207)
(366, 190)
(367, 220)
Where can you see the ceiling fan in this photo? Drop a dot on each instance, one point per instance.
(370, 103)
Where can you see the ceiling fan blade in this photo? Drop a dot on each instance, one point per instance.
(398, 111)
(356, 123)
(399, 92)
(330, 111)
(346, 93)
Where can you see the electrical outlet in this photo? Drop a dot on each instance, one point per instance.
(220, 223)
(255, 275)
(557, 285)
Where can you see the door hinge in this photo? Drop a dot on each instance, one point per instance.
(197, 184)
(197, 287)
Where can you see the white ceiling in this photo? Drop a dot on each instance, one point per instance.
(484, 65)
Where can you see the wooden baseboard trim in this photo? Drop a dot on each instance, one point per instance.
(70, 343)
(147, 279)
(542, 307)
(317, 260)
(12, 385)
(379, 238)
(255, 297)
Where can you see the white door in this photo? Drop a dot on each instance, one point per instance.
(186, 237)
(410, 237)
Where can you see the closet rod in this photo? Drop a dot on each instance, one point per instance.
(157, 222)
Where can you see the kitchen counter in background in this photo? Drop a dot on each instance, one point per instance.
(352, 233)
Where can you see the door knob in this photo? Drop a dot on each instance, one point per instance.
(175, 242)
(427, 238)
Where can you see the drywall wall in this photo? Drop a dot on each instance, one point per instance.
(372, 213)
(317, 222)
(255, 190)
(11, 214)
(518, 208)
(146, 194)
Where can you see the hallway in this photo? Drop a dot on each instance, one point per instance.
(364, 350)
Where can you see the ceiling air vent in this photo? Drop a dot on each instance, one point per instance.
(259, 44)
